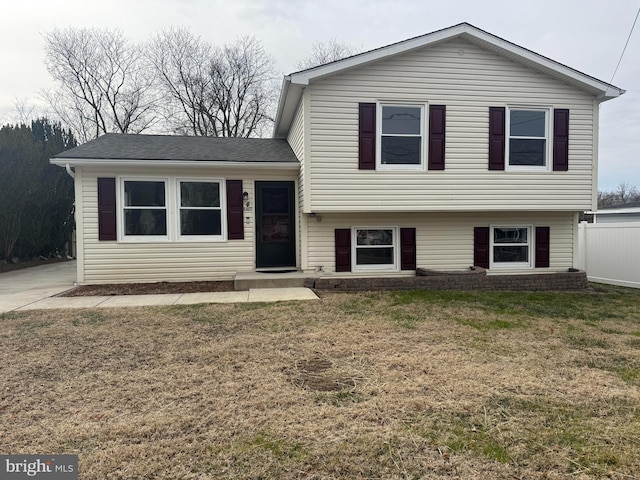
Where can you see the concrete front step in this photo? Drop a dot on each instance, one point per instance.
(249, 280)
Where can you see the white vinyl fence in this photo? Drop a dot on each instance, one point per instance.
(610, 252)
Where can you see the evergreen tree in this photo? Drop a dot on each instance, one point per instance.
(36, 198)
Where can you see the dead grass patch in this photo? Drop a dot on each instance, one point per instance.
(366, 385)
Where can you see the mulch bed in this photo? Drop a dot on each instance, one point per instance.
(149, 288)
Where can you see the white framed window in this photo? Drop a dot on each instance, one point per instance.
(511, 247)
(143, 207)
(528, 141)
(200, 209)
(171, 209)
(401, 137)
(374, 248)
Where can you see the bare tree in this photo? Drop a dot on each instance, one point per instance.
(25, 110)
(624, 193)
(327, 52)
(181, 62)
(222, 92)
(102, 85)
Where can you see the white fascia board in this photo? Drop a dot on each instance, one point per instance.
(287, 105)
(101, 162)
(306, 76)
(284, 93)
(290, 95)
(604, 90)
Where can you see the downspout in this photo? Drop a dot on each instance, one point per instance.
(69, 171)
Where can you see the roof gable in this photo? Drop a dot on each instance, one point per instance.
(294, 83)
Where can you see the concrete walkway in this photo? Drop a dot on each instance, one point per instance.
(36, 288)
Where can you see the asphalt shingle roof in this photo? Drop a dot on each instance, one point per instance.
(120, 146)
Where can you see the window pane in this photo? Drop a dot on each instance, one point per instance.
(401, 150)
(527, 152)
(527, 123)
(402, 120)
(199, 194)
(275, 228)
(200, 222)
(375, 237)
(275, 200)
(374, 256)
(510, 254)
(141, 221)
(510, 235)
(144, 194)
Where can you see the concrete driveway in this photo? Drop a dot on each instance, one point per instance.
(24, 287)
(33, 288)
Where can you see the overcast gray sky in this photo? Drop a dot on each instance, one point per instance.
(587, 35)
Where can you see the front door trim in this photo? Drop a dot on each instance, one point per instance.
(275, 225)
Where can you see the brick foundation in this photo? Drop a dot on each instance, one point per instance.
(468, 280)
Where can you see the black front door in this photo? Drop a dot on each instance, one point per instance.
(275, 225)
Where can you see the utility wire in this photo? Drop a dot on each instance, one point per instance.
(625, 47)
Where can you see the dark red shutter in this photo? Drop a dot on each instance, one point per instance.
(407, 248)
(542, 247)
(437, 121)
(496, 138)
(481, 247)
(235, 222)
(343, 249)
(367, 136)
(107, 209)
(560, 140)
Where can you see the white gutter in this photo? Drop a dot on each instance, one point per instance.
(101, 162)
(69, 171)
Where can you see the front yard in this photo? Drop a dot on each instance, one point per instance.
(367, 385)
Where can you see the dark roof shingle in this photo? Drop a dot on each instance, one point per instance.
(120, 146)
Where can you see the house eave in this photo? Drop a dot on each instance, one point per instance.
(294, 83)
(289, 99)
(106, 162)
(474, 35)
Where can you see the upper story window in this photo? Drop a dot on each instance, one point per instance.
(528, 139)
(200, 209)
(401, 137)
(145, 208)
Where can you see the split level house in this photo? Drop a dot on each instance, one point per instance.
(449, 150)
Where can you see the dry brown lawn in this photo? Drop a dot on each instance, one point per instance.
(366, 385)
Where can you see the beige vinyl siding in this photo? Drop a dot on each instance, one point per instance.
(296, 141)
(122, 262)
(79, 219)
(468, 80)
(444, 241)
